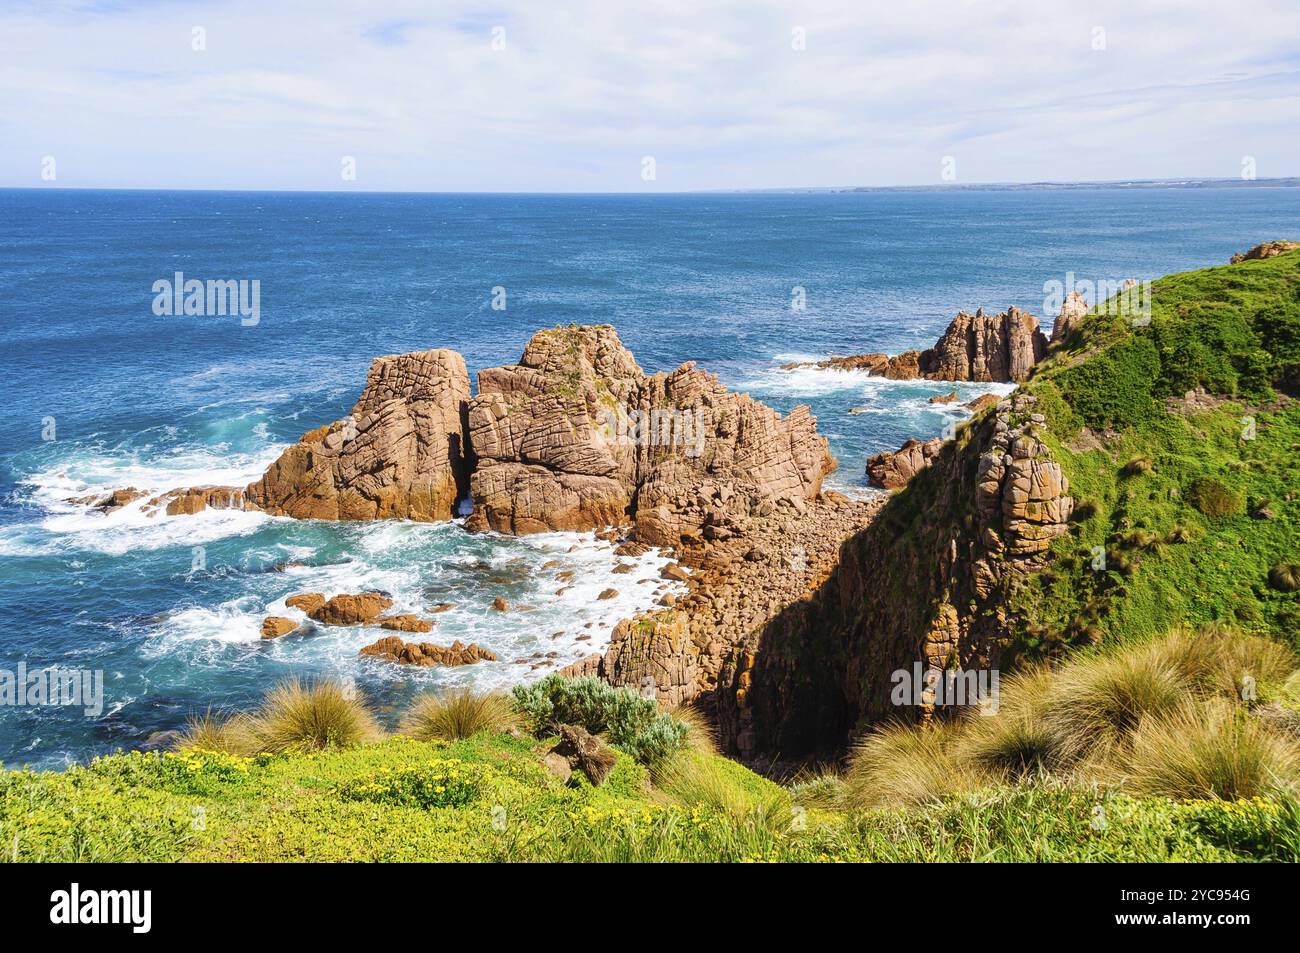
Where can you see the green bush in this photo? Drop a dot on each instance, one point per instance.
(1214, 498)
(1113, 389)
(632, 723)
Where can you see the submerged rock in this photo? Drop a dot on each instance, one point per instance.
(426, 654)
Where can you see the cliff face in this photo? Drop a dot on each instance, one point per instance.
(928, 580)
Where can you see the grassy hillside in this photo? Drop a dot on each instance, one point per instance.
(1183, 451)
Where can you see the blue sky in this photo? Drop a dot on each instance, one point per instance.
(574, 96)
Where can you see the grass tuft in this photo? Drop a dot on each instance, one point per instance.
(300, 716)
(458, 714)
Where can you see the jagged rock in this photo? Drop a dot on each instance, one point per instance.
(398, 455)
(347, 609)
(500, 604)
(586, 753)
(576, 436)
(426, 654)
(308, 602)
(892, 470)
(1265, 250)
(196, 499)
(948, 398)
(1073, 310)
(118, 499)
(981, 402)
(274, 626)
(982, 347)
(608, 594)
(674, 572)
(407, 623)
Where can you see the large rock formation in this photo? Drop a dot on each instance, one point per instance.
(1073, 310)
(975, 347)
(399, 454)
(426, 654)
(982, 347)
(576, 436)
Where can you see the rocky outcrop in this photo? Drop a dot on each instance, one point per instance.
(426, 654)
(398, 455)
(1265, 250)
(892, 470)
(577, 437)
(1073, 310)
(346, 609)
(931, 582)
(983, 347)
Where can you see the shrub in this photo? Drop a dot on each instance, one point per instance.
(1137, 466)
(1214, 498)
(1262, 828)
(1285, 577)
(632, 723)
(458, 714)
(298, 716)
(903, 764)
(1211, 750)
(1113, 388)
(443, 782)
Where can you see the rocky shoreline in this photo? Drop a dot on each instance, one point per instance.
(576, 437)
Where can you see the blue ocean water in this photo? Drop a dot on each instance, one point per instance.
(159, 402)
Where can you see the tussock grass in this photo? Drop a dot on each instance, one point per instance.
(301, 716)
(697, 779)
(904, 764)
(1017, 741)
(1211, 750)
(211, 731)
(1096, 702)
(1220, 660)
(458, 714)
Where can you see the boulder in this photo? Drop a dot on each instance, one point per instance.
(308, 602)
(586, 753)
(398, 454)
(118, 499)
(980, 347)
(983, 347)
(274, 626)
(426, 654)
(892, 470)
(1073, 310)
(406, 623)
(346, 609)
(577, 437)
(948, 398)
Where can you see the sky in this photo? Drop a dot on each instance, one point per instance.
(426, 95)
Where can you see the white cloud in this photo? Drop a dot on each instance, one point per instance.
(416, 92)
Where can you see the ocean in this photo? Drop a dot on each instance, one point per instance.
(102, 393)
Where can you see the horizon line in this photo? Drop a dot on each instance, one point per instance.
(1037, 184)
